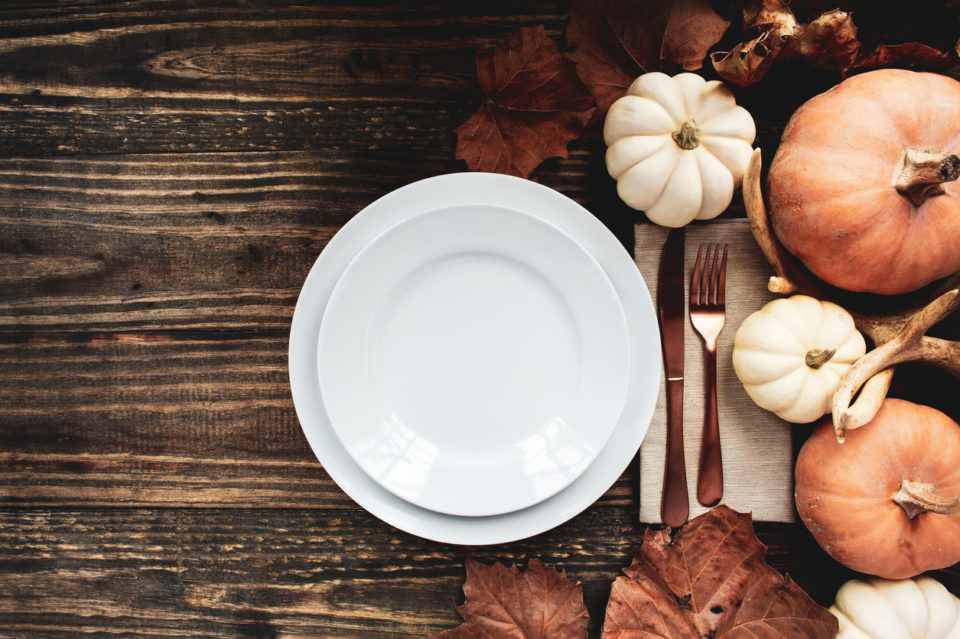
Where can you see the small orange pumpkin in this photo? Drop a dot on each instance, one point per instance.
(861, 188)
(886, 502)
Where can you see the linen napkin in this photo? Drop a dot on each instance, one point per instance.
(757, 445)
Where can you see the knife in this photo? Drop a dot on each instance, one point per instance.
(671, 301)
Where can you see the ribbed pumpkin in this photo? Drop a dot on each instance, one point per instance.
(861, 189)
(791, 354)
(886, 502)
(920, 608)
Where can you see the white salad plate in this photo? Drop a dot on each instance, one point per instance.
(473, 359)
(497, 191)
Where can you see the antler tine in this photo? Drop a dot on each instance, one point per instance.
(788, 280)
(909, 345)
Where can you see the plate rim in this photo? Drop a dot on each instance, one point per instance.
(635, 296)
(596, 431)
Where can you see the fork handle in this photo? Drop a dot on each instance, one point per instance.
(710, 479)
(675, 507)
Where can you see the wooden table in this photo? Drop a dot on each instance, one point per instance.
(169, 171)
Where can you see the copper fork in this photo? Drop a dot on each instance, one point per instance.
(707, 316)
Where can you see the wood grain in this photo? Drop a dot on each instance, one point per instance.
(143, 78)
(169, 171)
(165, 242)
(274, 572)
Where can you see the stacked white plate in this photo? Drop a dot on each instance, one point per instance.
(474, 358)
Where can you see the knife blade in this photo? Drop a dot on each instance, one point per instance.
(671, 300)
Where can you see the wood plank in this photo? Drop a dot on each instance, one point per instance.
(190, 77)
(160, 419)
(169, 241)
(273, 572)
(191, 241)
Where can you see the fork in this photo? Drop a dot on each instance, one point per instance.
(707, 316)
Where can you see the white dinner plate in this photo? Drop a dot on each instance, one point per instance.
(473, 359)
(494, 190)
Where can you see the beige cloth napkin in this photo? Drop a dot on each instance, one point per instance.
(757, 445)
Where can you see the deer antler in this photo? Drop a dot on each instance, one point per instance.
(897, 337)
(909, 345)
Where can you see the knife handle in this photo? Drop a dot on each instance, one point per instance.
(675, 508)
(710, 479)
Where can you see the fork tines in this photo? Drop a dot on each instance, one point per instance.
(711, 292)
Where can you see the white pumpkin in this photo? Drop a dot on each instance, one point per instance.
(791, 354)
(920, 608)
(677, 147)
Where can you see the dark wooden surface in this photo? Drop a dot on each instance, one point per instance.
(169, 171)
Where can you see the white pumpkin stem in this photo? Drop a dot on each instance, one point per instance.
(915, 498)
(923, 174)
(687, 136)
(818, 357)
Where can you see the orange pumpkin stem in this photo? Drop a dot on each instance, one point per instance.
(915, 498)
(923, 173)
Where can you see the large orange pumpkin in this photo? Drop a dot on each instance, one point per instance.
(886, 502)
(861, 186)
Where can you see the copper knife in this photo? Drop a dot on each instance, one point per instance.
(671, 301)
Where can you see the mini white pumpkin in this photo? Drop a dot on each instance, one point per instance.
(791, 354)
(677, 147)
(920, 608)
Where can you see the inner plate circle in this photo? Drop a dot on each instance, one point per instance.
(473, 360)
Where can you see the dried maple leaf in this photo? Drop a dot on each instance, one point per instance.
(693, 27)
(603, 66)
(614, 41)
(639, 28)
(501, 602)
(533, 104)
(710, 580)
(775, 25)
(830, 42)
(911, 55)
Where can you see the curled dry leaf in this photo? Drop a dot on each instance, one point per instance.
(829, 42)
(710, 580)
(538, 603)
(774, 25)
(533, 104)
(910, 55)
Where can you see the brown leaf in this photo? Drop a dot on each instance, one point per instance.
(775, 26)
(538, 603)
(710, 580)
(533, 104)
(693, 27)
(639, 27)
(614, 41)
(911, 55)
(829, 42)
(601, 63)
